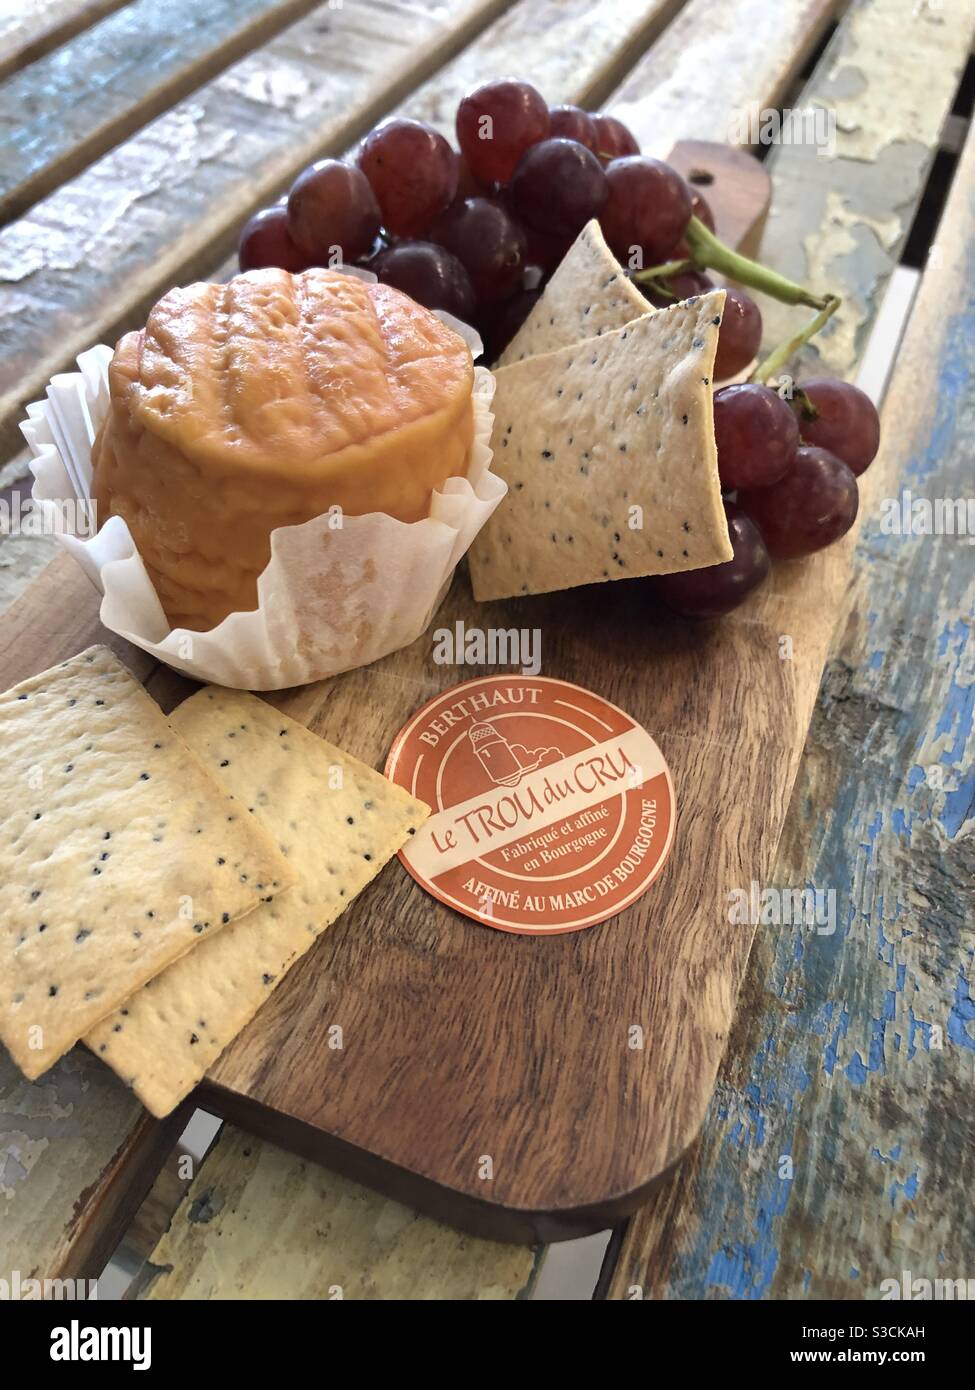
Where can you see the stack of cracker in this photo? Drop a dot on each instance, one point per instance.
(158, 878)
(604, 433)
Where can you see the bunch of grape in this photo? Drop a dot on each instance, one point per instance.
(788, 469)
(478, 232)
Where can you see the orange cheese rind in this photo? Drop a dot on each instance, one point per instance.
(263, 403)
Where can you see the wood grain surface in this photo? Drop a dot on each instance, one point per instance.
(566, 1215)
(571, 50)
(76, 102)
(54, 618)
(289, 1230)
(715, 61)
(31, 28)
(839, 1150)
(842, 210)
(60, 605)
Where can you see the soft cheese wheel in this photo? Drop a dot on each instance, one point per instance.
(265, 402)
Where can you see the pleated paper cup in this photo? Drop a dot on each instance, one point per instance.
(331, 598)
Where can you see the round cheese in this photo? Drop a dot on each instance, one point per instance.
(265, 402)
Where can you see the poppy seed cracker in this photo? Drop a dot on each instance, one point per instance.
(337, 823)
(589, 294)
(109, 833)
(608, 451)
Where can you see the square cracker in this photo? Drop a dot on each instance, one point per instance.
(608, 451)
(337, 823)
(117, 852)
(588, 295)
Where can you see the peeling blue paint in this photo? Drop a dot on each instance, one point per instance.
(834, 1029)
(962, 1014)
(909, 1187)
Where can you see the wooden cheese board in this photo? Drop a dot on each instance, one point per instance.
(488, 1078)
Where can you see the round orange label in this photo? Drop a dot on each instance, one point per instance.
(552, 809)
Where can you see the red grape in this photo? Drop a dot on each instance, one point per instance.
(413, 173)
(428, 274)
(843, 419)
(488, 243)
(572, 123)
(717, 589)
(683, 286)
(467, 185)
(688, 283)
(558, 186)
(756, 434)
(502, 321)
(496, 124)
(740, 335)
(613, 139)
(378, 245)
(331, 206)
(545, 251)
(810, 507)
(646, 212)
(700, 209)
(266, 241)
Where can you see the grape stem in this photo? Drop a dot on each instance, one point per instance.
(787, 350)
(661, 272)
(708, 253)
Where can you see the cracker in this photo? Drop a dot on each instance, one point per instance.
(588, 295)
(337, 823)
(118, 853)
(608, 451)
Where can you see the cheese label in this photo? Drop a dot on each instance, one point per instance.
(552, 809)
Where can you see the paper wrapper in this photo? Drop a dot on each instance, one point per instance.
(329, 599)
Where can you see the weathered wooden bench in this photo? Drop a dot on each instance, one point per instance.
(830, 1157)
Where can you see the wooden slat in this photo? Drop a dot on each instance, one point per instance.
(88, 261)
(74, 104)
(31, 28)
(852, 1052)
(840, 217)
(712, 63)
(578, 50)
(286, 1229)
(77, 1155)
(570, 50)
